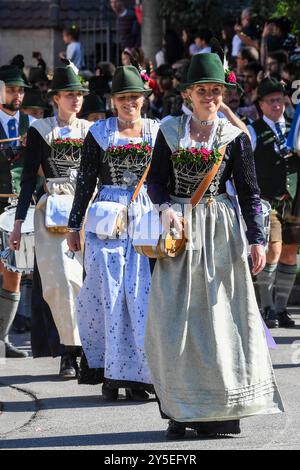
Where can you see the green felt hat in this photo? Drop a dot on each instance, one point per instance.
(33, 99)
(269, 85)
(92, 104)
(206, 68)
(65, 79)
(128, 79)
(12, 76)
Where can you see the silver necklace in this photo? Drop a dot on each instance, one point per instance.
(128, 123)
(203, 123)
(62, 123)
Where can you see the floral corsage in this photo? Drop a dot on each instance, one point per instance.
(138, 151)
(63, 144)
(196, 155)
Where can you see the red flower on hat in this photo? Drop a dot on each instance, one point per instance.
(230, 77)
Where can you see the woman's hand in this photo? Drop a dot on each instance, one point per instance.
(258, 256)
(73, 240)
(267, 30)
(170, 219)
(15, 236)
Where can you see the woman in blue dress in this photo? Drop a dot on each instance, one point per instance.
(112, 305)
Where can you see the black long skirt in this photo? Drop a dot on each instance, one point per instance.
(44, 335)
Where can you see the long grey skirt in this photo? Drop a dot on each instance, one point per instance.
(205, 342)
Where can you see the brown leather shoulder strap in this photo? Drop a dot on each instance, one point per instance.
(139, 186)
(204, 185)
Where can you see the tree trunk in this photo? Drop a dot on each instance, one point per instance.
(152, 28)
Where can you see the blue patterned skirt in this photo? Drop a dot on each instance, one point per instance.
(113, 302)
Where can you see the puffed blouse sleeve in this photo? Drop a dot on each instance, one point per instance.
(248, 192)
(88, 174)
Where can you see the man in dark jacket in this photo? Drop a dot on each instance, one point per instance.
(13, 125)
(278, 178)
(128, 28)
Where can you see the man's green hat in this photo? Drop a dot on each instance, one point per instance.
(269, 85)
(92, 104)
(12, 76)
(128, 79)
(65, 79)
(207, 68)
(33, 99)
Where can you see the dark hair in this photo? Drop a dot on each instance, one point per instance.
(166, 83)
(283, 24)
(205, 34)
(280, 56)
(255, 67)
(249, 53)
(172, 46)
(18, 61)
(291, 68)
(73, 31)
(138, 56)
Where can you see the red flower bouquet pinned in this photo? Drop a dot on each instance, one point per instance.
(195, 155)
(134, 150)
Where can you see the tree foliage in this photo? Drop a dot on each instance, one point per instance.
(194, 14)
(267, 9)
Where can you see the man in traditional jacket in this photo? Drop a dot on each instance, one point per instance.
(13, 124)
(278, 178)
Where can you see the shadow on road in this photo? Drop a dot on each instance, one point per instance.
(286, 339)
(76, 402)
(110, 439)
(286, 366)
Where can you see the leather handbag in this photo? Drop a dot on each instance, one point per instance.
(169, 244)
(108, 219)
(59, 203)
(57, 213)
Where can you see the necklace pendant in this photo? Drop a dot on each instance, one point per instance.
(203, 123)
(210, 200)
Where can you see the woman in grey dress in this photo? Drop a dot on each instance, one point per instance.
(205, 342)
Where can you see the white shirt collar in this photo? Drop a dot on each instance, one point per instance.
(272, 123)
(124, 13)
(5, 118)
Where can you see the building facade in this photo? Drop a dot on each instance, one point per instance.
(27, 26)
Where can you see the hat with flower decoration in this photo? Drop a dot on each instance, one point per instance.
(128, 79)
(208, 68)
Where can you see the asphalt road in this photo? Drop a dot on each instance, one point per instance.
(40, 411)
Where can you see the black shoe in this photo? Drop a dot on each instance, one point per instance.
(218, 428)
(175, 430)
(14, 353)
(19, 324)
(270, 317)
(68, 369)
(136, 395)
(285, 320)
(109, 393)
